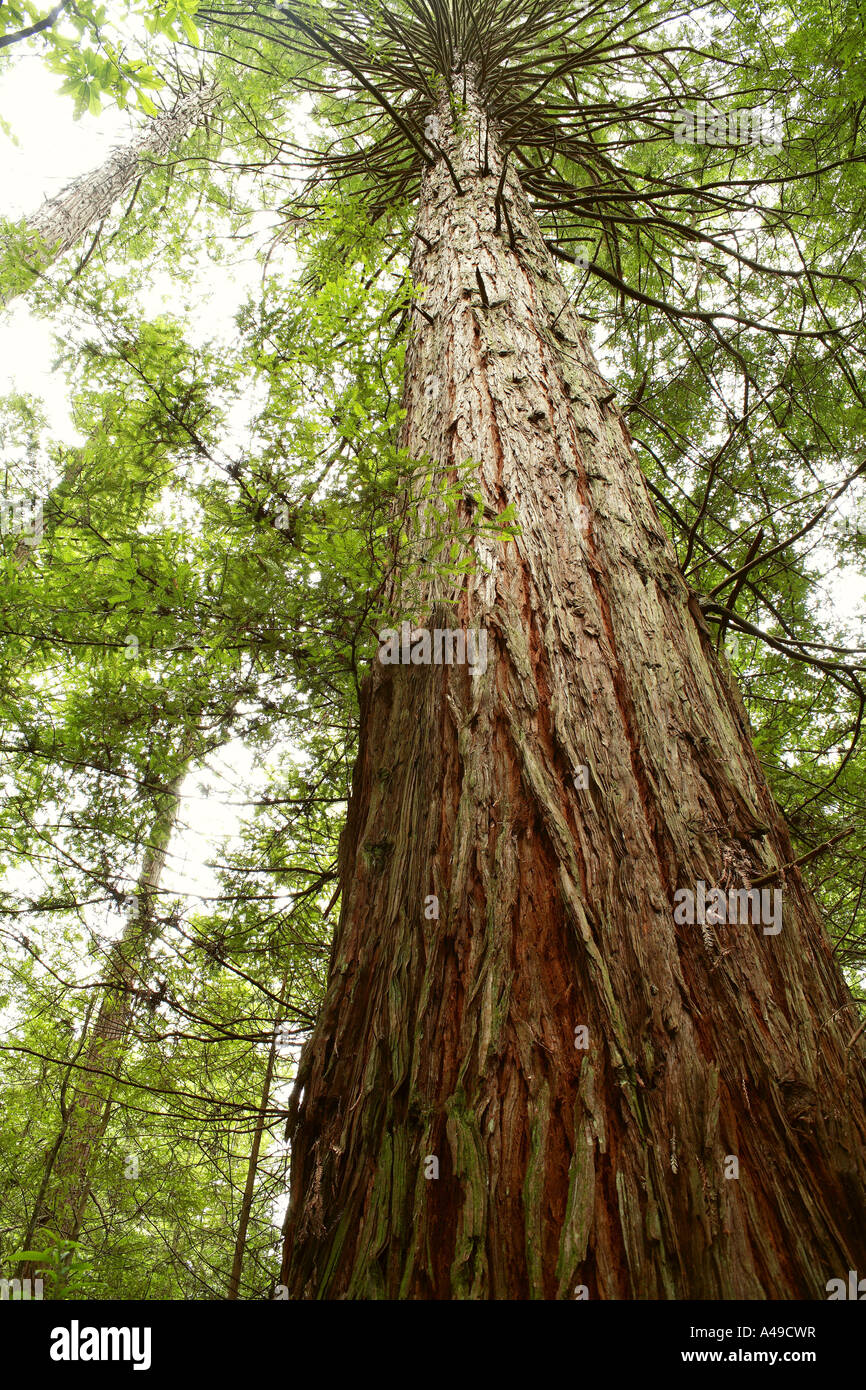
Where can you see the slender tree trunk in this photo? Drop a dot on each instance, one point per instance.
(62, 221)
(252, 1166)
(553, 805)
(63, 1198)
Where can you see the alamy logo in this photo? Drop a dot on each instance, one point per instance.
(705, 126)
(855, 1288)
(738, 905)
(443, 646)
(20, 1289)
(76, 1343)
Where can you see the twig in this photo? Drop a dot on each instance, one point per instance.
(804, 859)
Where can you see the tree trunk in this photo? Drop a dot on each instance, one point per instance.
(63, 1197)
(252, 1166)
(587, 1072)
(62, 221)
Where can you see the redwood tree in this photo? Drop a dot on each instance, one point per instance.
(529, 1079)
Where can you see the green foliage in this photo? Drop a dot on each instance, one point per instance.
(221, 524)
(90, 47)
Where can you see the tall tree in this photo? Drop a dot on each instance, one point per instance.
(537, 976)
(531, 1077)
(61, 221)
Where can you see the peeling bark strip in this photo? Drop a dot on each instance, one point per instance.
(605, 1165)
(62, 221)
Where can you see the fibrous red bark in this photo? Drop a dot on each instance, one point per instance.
(549, 809)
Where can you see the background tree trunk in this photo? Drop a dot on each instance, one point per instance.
(561, 1167)
(252, 1166)
(64, 1191)
(62, 221)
